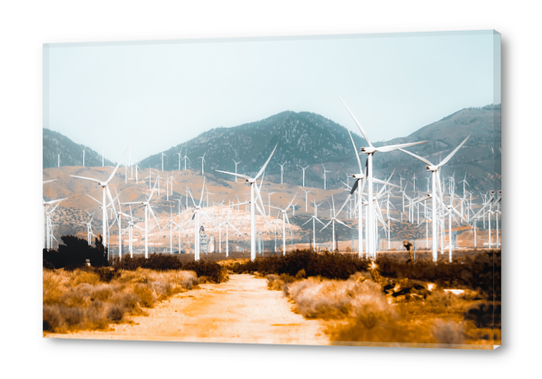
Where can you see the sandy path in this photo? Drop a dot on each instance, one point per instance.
(242, 310)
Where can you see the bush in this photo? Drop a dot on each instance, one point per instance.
(207, 271)
(306, 263)
(484, 315)
(89, 298)
(73, 254)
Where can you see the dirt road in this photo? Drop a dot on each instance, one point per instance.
(242, 310)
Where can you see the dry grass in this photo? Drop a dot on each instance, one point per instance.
(359, 309)
(81, 299)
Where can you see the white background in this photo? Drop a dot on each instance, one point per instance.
(25, 26)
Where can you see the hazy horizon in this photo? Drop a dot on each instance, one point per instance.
(394, 84)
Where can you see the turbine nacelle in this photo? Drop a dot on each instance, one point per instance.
(433, 168)
(368, 150)
(358, 176)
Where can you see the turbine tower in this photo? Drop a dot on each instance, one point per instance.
(303, 168)
(370, 150)
(435, 184)
(202, 164)
(254, 196)
(105, 192)
(148, 209)
(236, 163)
(284, 220)
(325, 176)
(282, 172)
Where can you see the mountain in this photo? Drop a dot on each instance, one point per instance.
(308, 139)
(71, 153)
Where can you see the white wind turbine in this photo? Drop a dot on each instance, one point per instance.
(197, 209)
(88, 224)
(170, 223)
(314, 218)
(48, 224)
(325, 176)
(147, 210)
(269, 202)
(83, 158)
(436, 185)
(306, 199)
(282, 172)
(202, 164)
(303, 168)
(334, 219)
(370, 151)
(236, 163)
(131, 224)
(227, 224)
(179, 154)
(163, 160)
(105, 192)
(284, 220)
(185, 158)
(254, 196)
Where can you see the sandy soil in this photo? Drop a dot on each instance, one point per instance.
(242, 310)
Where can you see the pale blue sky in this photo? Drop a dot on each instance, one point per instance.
(151, 96)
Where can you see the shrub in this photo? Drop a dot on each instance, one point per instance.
(327, 265)
(81, 299)
(207, 271)
(484, 315)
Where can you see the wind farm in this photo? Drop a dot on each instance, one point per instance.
(329, 224)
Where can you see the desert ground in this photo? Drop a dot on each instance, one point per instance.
(241, 310)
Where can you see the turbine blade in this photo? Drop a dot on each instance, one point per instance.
(417, 157)
(116, 168)
(340, 222)
(155, 219)
(355, 152)
(85, 178)
(385, 149)
(234, 174)
(202, 191)
(453, 152)
(357, 123)
(265, 165)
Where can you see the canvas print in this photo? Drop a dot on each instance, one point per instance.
(319, 190)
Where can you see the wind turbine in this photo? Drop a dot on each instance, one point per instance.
(254, 196)
(48, 224)
(306, 199)
(370, 151)
(282, 172)
(147, 209)
(185, 158)
(197, 209)
(436, 184)
(227, 224)
(105, 192)
(284, 219)
(83, 158)
(236, 163)
(163, 160)
(314, 218)
(325, 176)
(334, 219)
(303, 168)
(179, 154)
(202, 164)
